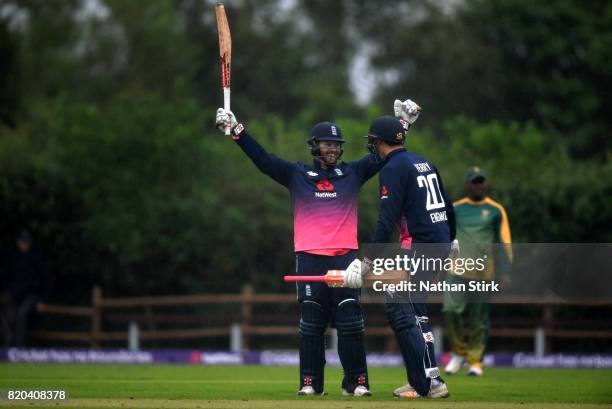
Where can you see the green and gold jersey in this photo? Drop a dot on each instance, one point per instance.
(480, 225)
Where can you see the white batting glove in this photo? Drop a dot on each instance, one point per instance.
(227, 118)
(407, 110)
(454, 249)
(352, 275)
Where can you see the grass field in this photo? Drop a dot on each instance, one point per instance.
(176, 386)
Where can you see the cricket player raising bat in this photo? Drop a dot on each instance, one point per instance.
(324, 196)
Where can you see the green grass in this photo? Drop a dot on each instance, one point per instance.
(177, 386)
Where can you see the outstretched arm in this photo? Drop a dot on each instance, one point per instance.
(278, 169)
(368, 166)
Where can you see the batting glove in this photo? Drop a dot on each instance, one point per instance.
(407, 110)
(352, 275)
(454, 249)
(227, 118)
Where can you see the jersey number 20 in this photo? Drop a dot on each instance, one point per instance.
(434, 196)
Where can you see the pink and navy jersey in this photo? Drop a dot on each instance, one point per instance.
(324, 200)
(413, 200)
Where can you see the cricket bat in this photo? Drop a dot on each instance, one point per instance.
(334, 278)
(225, 51)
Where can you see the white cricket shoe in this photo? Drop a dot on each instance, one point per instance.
(359, 391)
(408, 389)
(438, 390)
(475, 370)
(454, 365)
(306, 391)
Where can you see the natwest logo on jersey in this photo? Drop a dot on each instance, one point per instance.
(325, 186)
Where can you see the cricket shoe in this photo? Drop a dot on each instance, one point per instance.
(406, 389)
(454, 365)
(438, 390)
(308, 391)
(475, 370)
(359, 391)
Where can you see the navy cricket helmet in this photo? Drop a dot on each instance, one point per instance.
(388, 129)
(324, 131)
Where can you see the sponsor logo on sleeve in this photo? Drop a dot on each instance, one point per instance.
(384, 192)
(238, 129)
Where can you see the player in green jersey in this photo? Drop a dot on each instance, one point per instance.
(481, 222)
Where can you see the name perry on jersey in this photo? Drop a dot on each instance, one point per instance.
(422, 167)
(438, 217)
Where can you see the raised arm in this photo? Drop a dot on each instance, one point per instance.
(278, 169)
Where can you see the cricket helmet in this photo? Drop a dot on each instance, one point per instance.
(324, 131)
(388, 129)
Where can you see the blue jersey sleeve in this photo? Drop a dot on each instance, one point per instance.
(392, 194)
(278, 169)
(367, 167)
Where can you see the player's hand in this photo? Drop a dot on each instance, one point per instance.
(454, 249)
(227, 119)
(407, 110)
(352, 274)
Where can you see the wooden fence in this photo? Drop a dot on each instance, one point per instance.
(547, 325)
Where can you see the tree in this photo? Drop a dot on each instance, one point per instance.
(557, 60)
(502, 60)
